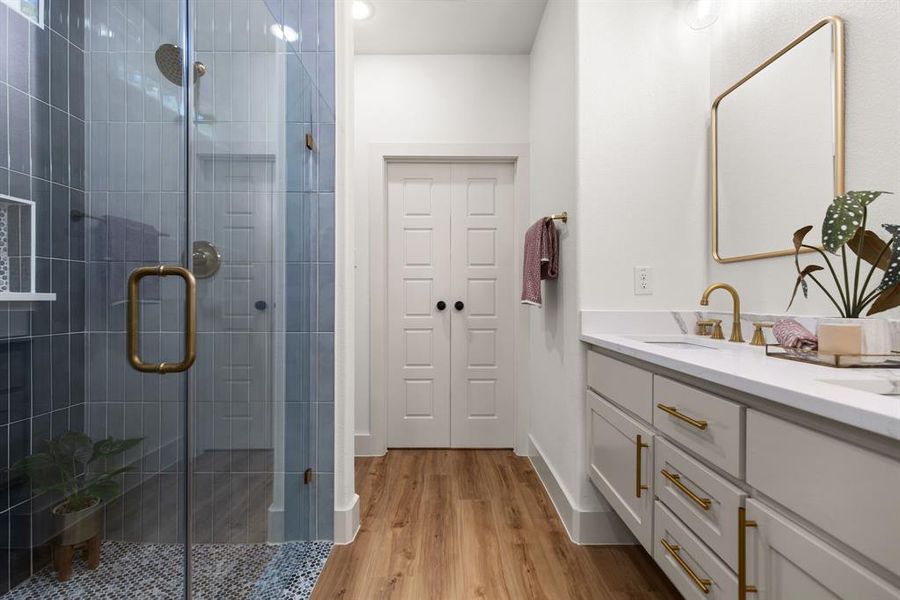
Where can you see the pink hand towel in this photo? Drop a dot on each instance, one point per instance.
(541, 260)
(791, 334)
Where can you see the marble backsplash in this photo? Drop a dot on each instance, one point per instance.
(684, 321)
(747, 320)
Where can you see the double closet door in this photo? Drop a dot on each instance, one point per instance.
(451, 305)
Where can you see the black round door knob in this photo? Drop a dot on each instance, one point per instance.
(260, 305)
(458, 305)
(441, 305)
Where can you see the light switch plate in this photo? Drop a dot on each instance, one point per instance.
(643, 281)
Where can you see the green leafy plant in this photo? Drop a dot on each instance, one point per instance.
(844, 228)
(61, 466)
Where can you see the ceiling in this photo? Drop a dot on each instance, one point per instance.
(449, 27)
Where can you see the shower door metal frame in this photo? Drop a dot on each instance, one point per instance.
(188, 76)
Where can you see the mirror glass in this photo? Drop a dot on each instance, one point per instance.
(776, 136)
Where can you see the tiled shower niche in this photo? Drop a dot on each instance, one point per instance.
(18, 277)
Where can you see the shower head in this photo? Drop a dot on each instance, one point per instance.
(169, 60)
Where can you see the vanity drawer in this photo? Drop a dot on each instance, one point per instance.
(628, 386)
(706, 424)
(704, 501)
(696, 560)
(848, 491)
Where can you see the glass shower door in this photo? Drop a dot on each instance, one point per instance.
(253, 166)
(140, 331)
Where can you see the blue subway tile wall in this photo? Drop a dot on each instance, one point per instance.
(135, 214)
(42, 346)
(310, 263)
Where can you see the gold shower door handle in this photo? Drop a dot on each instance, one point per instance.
(190, 319)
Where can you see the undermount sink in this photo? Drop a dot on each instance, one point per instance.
(682, 342)
(682, 345)
(881, 386)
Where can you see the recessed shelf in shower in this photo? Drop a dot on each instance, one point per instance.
(17, 252)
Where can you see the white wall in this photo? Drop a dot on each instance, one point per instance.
(423, 99)
(642, 154)
(346, 501)
(745, 35)
(618, 94)
(556, 363)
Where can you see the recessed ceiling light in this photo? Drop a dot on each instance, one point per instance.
(362, 10)
(284, 32)
(700, 14)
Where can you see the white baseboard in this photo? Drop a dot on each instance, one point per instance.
(346, 522)
(365, 444)
(583, 527)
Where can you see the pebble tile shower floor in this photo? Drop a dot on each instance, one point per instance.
(221, 571)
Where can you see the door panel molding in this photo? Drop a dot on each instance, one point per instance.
(482, 405)
(418, 404)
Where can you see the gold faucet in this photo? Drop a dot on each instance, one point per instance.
(736, 334)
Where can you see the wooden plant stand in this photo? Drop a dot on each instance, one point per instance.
(63, 555)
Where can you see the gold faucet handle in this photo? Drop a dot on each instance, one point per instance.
(717, 333)
(759, 338)
(703, 326)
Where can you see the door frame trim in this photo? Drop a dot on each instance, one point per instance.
(374, 443)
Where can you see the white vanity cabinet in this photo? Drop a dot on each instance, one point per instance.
(851, 492)
(786, 562)
(823, 512)
(690, 565)
(706, 502)
(706, 424)
(621, 463)
(628, 386)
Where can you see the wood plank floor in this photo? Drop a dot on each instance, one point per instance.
(461, 524)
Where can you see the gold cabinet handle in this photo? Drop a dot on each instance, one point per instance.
(638, 446)
(743, 524)
(704, 503)
(699, 424)
(134, 319)
(702, 584)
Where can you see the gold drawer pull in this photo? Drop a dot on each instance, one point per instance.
(743, 524)
(702, 584)
(638, 446)
(704, 503)
(689, 420)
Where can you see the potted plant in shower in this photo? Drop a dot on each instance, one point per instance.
(856, 290)
(71, 466)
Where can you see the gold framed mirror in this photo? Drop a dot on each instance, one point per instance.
(777, 147)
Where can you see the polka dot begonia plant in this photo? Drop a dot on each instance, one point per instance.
(843, 228)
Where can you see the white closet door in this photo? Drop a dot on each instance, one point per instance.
(418, 277)
(482, 349)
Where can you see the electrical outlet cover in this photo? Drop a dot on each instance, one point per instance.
(643, 281)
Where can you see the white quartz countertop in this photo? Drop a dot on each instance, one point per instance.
(810, 388)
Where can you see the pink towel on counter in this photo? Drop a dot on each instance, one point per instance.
(791, 334)
(541, 259)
